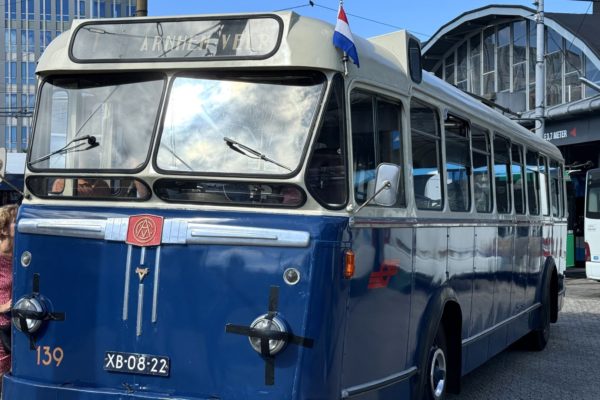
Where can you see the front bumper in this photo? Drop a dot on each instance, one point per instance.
(21, 389)
(592, 270)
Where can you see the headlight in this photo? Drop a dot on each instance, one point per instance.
(276, 325)
(28, 306)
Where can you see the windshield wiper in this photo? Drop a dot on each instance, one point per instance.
(243, 149)
(70, 147)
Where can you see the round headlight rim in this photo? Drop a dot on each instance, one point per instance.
(280, 326)
(37, 306)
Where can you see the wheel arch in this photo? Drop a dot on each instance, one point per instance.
(443, 310)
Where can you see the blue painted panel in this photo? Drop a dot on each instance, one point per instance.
(503, 287)
(430, 258)
(201, 289)
(376, 337)
(461, 243)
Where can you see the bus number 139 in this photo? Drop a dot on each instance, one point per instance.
(46, 355)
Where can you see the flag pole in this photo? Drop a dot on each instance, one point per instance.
(345, 56)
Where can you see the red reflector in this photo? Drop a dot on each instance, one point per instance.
(588, 256)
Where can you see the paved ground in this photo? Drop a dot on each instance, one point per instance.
(569, 367)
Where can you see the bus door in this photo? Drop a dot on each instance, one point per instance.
(380, 293)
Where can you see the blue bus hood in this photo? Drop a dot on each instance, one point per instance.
(180, 306)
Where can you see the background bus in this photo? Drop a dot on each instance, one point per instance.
(592, 224)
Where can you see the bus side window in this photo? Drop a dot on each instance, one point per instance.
(482, 175)
(555, 189)
(544, 190)
(517, 178)
(502, 174)
(376, 139)
(561, 188)
(363, 144)
(326, 173)
(426, 156)
(532, 183)
(389, 131)
(458, 164)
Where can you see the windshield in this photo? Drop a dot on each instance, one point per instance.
(101, 122)
(251, 124)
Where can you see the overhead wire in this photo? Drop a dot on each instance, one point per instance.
(312, 3)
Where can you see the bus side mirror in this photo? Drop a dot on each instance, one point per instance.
(2, 162)
(386, 184)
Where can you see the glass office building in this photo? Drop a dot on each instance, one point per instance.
(28, 27)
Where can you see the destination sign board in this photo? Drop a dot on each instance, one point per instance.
(167, 40)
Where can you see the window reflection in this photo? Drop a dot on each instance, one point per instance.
(271, 115)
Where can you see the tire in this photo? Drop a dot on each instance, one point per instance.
(436, 371)
(537, 339)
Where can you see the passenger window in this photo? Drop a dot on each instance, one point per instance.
(482, 176)
(389, 131)
(426, 156)
(326, 173)
(370, 114)
(458, 164)
(363, 145)
(533, 184)
(544, 190)
(561, 188)
(502, 174)
(517, 179)
(555, 189)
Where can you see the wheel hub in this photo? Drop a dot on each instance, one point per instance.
(437, 373)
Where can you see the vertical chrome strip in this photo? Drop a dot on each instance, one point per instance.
(155, 291)
(126, 290)
(140, 307)
(143, 256)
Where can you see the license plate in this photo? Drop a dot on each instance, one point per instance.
(134, 363)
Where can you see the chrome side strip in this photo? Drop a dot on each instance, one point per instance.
(175, 231)
(499, 325)
(198, 233)
(155, 290)
(126, 289)
(379, 383)
(83, 228)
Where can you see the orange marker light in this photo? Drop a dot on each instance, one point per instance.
(349, 264)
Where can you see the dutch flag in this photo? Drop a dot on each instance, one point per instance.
(342, 37)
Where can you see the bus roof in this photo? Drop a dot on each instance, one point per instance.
(306, 43)
(302, 43)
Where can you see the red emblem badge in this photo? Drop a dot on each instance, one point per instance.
(144, 230)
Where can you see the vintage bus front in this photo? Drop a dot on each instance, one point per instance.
(174, 241)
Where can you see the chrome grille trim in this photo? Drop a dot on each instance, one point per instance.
(175, 231)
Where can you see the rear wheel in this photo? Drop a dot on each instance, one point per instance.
(537, 339)
(437, 368)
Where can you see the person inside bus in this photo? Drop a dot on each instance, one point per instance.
(7, 233)
(86, 187)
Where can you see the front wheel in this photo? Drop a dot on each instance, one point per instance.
(437, 368)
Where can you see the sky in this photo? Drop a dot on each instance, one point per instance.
(422, 17)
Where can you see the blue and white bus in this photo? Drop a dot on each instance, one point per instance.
(592, 225)
(215, 209)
